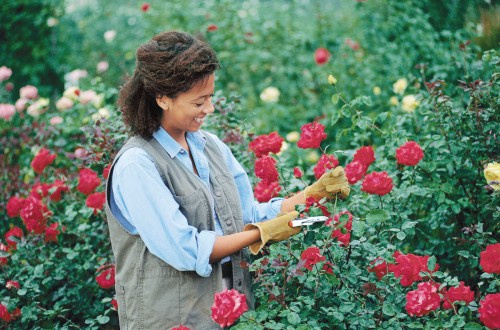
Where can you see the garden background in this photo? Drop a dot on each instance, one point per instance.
(374, 73)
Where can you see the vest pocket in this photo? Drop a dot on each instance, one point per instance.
(195, 207)
(122, 306)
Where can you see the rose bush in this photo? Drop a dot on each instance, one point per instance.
(414, 245)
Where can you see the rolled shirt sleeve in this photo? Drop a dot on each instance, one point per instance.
(145, 206)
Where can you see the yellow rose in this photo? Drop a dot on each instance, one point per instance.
(270, 95)
(409, 103)
(394, 100)
(293, 137)
(284, 146)
(332, 80)
(399, 86)
(312, 157)
(377, 90)
(492, 175)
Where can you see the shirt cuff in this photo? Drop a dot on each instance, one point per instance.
(206, 241)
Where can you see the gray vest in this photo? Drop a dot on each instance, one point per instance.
(151, 294)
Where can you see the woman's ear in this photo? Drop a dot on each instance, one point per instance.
(163, 102)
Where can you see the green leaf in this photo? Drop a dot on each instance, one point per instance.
(22, 292)
(346, 307)
(335, 98)
(377, 215)
(431, 263)
(338, 316)
(401, 235)
(388, 310)
(293, 318)
(103, 319)
(473, 326)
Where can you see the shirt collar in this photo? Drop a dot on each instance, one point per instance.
(195, 139)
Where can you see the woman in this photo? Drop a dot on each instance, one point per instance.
(177, 197)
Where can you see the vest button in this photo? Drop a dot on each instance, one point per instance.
(229, 223)
(218, 193)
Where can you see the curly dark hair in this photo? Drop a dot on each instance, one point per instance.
(168, 65)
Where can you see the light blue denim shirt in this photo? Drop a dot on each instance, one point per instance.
(144, 205)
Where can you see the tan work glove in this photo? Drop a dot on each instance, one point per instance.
(331, 183)
(274, 230)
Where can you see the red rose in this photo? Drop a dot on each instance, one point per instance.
(264, 144)
(106, 276)
(328, 267)
(96, 201)
(311, 256)
(489, 310)
(459, 293)
(145, 7)
(34, 215)
(321, 56)
(424, 300)
(342, 231)
(377, 183)
(57, 188)
(379, 267)
(212, 27)
(311, 135)
(14, 232)
(325, 162)
(365, 155)
(3, 260)
(42, 159)
(88, 181)
(12, 284)
(228, 306)
(490, 259)
(4, 313)
(264, 191)
(14, 206)
(297, 172)
(39, 190)
(51, 233)
(114, 303)
(265, 169)
(408, 267)
(16, 313)
(409, 154)
(105, 171)
(354, 171)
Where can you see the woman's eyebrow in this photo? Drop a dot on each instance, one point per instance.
(203, 96)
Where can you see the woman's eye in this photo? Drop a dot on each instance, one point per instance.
(198, 104)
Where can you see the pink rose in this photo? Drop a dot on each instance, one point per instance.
(490, 259)
(354, 171)
(264, 191)
(5, 73)
(489, 311)
(365, 155)
(28, 92)
(88, 181)
(459, 293)
(321, 56)
(7, 111)
(228, 306)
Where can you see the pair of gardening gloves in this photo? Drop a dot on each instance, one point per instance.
(329, 185)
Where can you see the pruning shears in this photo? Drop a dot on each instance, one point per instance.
(306, 221)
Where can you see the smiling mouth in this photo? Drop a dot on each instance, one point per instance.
(199, 120)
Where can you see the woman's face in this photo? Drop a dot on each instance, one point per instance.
(187, 112)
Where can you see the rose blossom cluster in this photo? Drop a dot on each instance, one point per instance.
(342, 230)
(265, 166)
(228, 306)
(380, 183)
(428, 297)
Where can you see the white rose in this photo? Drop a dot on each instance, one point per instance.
(270, 95)
(409, 103)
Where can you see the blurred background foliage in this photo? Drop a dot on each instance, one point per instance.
(260, 44)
